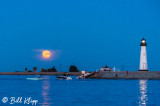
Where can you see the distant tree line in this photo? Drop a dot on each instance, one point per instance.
(53, 69)
(72, 68)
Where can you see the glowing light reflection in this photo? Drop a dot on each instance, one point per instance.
(45, 92)
(143, 92)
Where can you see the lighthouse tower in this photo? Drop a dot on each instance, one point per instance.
(143, 56)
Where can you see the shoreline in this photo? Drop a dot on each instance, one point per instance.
(99, 75)
(126, 75)
(40, 73)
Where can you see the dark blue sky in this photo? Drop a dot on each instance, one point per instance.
(88, 33)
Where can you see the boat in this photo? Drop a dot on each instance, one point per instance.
(83, 76)
(64, 77)
(37, 78)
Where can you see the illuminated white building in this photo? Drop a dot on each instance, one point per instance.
(106, 68)
(143, 56)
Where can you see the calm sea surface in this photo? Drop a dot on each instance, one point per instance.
(89, 92)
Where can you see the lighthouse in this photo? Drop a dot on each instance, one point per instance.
(143, 56)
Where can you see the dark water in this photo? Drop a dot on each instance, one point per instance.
(89, 92)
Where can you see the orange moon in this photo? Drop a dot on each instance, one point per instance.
(46, 54)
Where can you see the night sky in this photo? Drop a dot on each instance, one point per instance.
(86, 33)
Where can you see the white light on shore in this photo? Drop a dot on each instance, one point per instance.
(83, 72)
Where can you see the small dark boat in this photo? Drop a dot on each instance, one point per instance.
(64, 77)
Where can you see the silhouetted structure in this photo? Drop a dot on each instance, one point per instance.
(73, 69)
(53, 69)
(43, 70)
(30, 71)
(26, 69)
(34, 69)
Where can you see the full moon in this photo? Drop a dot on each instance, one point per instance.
(46, 54)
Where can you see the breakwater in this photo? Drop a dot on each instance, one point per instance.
(126, 75)
(41, 73)
(98, 75)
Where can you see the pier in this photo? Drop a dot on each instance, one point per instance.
(98, 75)
(41, 73)
(126, 75)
